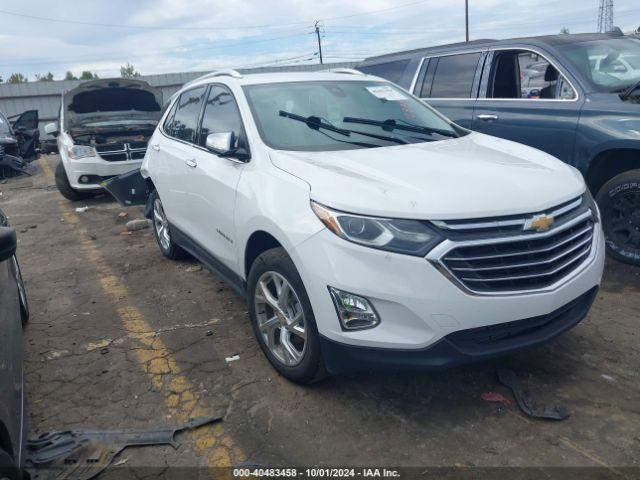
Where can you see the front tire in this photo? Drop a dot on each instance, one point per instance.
(282, 318)
(65, 188)
(162, 230)
(619, 202)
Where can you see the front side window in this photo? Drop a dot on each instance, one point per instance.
(610, 65)
(454, 76)
(528, 75)
(184, 123)
(341, 115)
(391, 71)
(220, 115)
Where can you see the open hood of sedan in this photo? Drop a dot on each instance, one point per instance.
(116, 100)
(473, 176)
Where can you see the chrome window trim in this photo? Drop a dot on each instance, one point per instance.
(505, 223)
(412, 87)
(494, 49)
(436, 258)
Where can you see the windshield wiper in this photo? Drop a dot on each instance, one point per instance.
(316, 123)
(390, 125)
(628, 91)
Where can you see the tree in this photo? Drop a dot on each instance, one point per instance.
(87, 75)
(70, 76)
(564, 30)
(17, 78)
(128, 71)
(44, 77)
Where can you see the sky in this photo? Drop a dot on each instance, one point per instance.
(161, 36)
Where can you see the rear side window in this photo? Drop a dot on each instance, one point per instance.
(220, 114)
(454, 76)
(184, 124)
(391, 71)
(168, 122)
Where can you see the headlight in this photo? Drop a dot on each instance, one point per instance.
(410, 237)
(593, 205)
(80, 151)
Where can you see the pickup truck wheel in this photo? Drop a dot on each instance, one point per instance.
(64, 187)
(619, 202)
(162, 230)
(282, 318)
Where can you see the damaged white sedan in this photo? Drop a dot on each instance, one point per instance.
(103, 130)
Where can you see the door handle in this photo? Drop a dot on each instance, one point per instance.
(156, 147)
(487, 117)
(191, 162)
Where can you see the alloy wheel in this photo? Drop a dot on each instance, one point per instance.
(280, 318)
(161, 224)
(624, 220)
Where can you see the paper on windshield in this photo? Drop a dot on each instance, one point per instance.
(385, 92)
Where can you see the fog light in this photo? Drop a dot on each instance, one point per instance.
(84, 179)
(355, 312)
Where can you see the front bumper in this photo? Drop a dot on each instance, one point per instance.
(464, 346)
(97, 170)
(419, 307)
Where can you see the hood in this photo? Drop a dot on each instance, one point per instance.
(106, 100)
(473, 176)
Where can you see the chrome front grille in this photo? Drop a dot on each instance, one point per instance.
(119, 152)
(488, 260)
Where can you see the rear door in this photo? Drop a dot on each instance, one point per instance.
(173, 153)
(449, 83)
(527, 98)
(213, 179)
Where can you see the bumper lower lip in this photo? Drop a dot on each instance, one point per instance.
(464, 346)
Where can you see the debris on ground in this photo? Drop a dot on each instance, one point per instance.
(232, 358)
(126, 232)
(194, 268)
(84, 454)
(138, 224)
(123, 215)
(82, 209)
(495, 397)
(608, 378)
(548, 412)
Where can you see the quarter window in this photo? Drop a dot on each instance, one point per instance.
(221, 114)
(454, 76)
(391, 71)
(184, 125)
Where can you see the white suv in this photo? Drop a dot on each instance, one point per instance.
(365, 229)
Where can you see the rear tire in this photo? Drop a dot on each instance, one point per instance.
(162, 230)
(64, 187)
(283, 323)
(619, 202)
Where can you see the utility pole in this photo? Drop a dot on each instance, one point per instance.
(466, 19)
(319, 41)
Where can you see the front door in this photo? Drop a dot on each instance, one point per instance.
(526, 99)
(213, 180)
(25, 127)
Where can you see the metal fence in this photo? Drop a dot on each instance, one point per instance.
(15, 98)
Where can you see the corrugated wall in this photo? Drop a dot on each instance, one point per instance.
(45, 96)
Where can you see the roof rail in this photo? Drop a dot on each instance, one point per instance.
(217, 73)
(349, 71)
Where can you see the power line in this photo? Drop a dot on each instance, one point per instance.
(319, 41)
(238, 27)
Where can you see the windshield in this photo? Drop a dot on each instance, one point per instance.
(610, 65)
(4, 126)
(341, 115)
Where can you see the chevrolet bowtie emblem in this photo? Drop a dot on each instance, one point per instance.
(539, 223)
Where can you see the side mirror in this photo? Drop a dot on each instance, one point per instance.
(8, 243)
(51, 129)
(220, 143)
